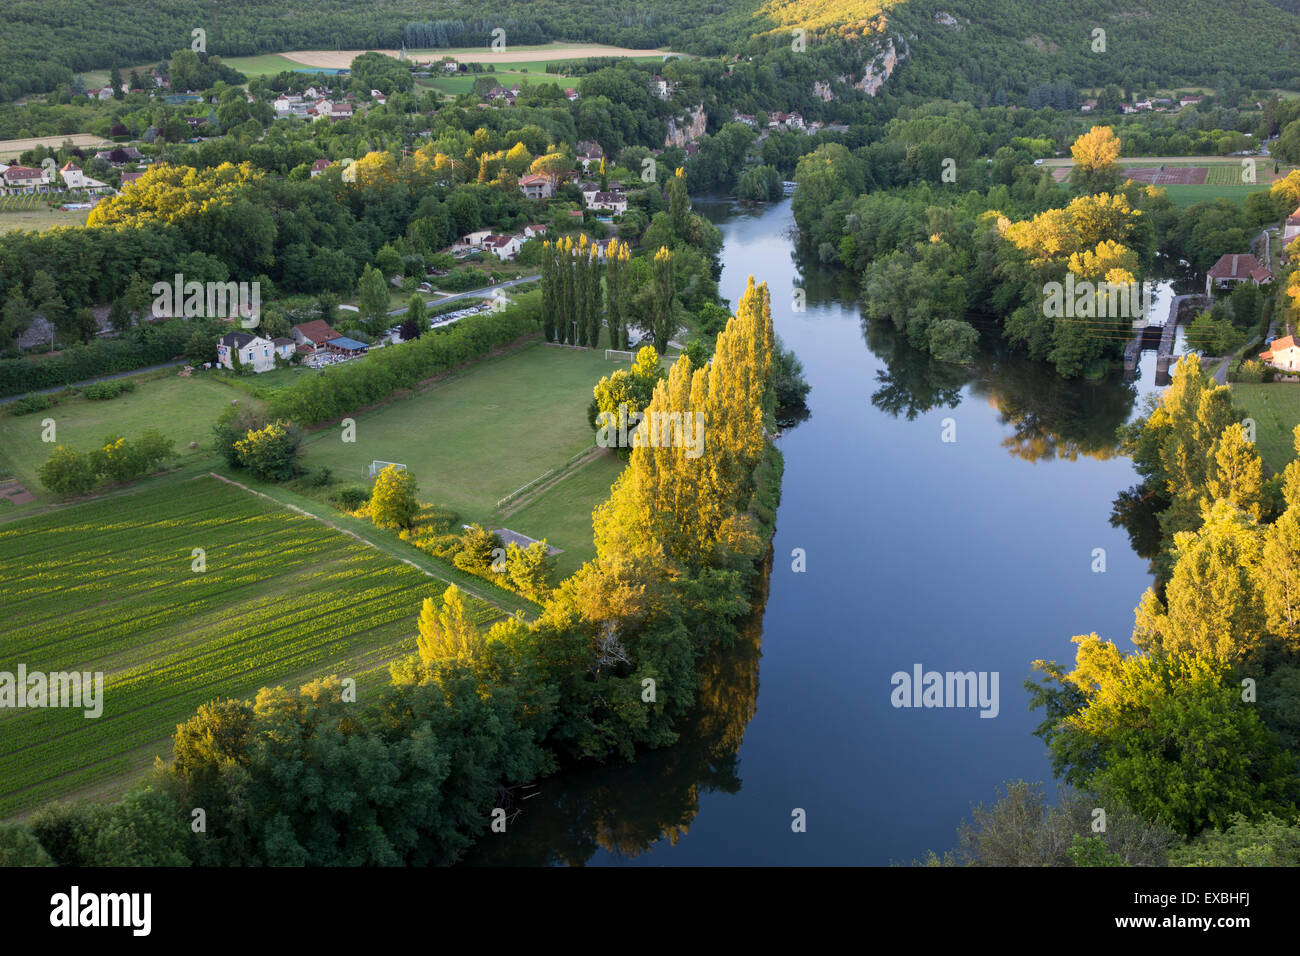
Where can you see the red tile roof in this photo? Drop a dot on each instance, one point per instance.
(1234, 266)
(316, 331)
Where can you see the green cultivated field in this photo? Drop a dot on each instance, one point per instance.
(267, 64)
(183, 409)
(38, 218)
(108, 586)
(1275, 408)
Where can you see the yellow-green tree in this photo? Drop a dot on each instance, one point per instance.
(448, 631)
(392, 500)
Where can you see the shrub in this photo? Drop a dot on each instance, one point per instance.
(271, 453)
(351, 498)
(31, 403)
(321, 477)
(103, 391)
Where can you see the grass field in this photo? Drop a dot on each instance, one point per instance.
(267, 64)
(1184, 196)
(1275, 408)
(108, 586)
(40, 218)
(562, 512)
(475, 438)
(183, 409)
(12, 148)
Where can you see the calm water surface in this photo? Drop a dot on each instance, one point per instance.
(974, 554)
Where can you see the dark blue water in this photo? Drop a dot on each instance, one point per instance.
(970, 555)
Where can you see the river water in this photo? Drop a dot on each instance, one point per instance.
(978, 553)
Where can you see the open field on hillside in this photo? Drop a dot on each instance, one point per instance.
(109, 586)
(475, 438)
(11, 148)
(183, 409)
(40, 218)
(547, 52)
(1275, 407)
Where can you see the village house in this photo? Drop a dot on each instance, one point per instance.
(536, 187)
(1087, 106)
(131, 177)
(1283, 354)
(319, 167)
(1291, 229)
(378, 97)
(609, 202)
(121, 155)
(504, 248)
(313, 336)
(1190, 100)
(254, 351)
(534, 231)
(23, 179)
(662, 88)
(570, 94)
(589, 152)
(1232, 269)
(74, 178)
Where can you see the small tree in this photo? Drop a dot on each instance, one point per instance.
(448, 632)
(67, 472)
(392, 501)
(374, 299)
(271, 453)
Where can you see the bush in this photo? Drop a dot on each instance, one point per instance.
(351, 498)
(31, 403)
(69, 472)
(321, 477)
(271, 453)
(103, 391)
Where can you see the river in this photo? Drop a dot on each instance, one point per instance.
(978, 553)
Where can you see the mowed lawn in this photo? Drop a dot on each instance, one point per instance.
(40, 219)
(110, 586)
(473, 439)
(562, 513)
(1184, 196)
(182, 409)
(1275, 407)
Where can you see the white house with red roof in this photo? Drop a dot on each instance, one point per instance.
(1283, 354)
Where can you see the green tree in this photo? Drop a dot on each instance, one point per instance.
(374, 300)
(271, 452)
(392, 501)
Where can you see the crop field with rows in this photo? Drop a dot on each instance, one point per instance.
(110, 586)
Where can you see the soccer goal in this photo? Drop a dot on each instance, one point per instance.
(377, 466)
(619, 354)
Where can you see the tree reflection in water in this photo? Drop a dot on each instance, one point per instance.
(625, 809)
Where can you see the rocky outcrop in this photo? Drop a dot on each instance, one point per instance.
(882, 66)
(822, 90)
(686, 129)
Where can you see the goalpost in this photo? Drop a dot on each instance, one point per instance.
(377, 466)
(620, 354)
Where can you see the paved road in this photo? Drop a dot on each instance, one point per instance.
(484, 293)
(91, 381)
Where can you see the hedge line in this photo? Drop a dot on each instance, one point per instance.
(342, 389)
(141, 347)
